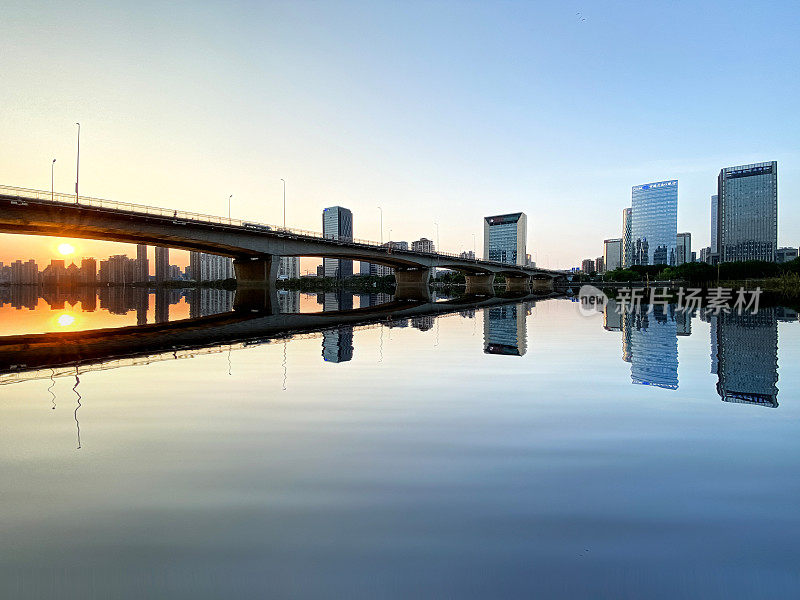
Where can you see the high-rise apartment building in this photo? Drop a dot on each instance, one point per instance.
(210, 267)
(654, 223)
(505, 238)
(612, 253)
(88, 271)
(683, 249)
(587, 266)
(599, 265)
(747, 227)
(337, 224)
(289, 267)
(423, 245)
(627, 244)
(142, 264)
(162, 264)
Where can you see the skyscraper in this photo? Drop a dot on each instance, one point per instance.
(210, 267)
(162, 264)
(654, 223)
(289, 267)
(714, 225)
(337, 224)
(627, 244)
(142, 264)
(747, 227)
(683, 249)
(505, 238)
(612, 253)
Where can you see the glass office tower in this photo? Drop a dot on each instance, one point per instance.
(684, 248)
(747, 213)
(654, 223)
(337, 224)
(505, 237)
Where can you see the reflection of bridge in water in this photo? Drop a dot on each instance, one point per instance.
(31, 356)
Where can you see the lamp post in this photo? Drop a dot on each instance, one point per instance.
(437, 237)
(284, 202)
(78, 163)
(52, 168)
(229, 208)
(474, 248)
(389, 241)
(380, 209)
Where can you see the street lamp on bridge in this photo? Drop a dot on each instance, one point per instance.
(78, 163)
(284, 202)
(229, 207)
(52, 168)
(380, 209)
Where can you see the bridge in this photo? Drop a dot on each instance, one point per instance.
(255, 247)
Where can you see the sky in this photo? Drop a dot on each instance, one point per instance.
(438, 112)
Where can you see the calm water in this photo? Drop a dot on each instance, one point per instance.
(515, 450)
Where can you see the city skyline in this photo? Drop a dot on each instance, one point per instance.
(460, 150)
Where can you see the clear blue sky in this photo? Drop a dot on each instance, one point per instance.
(444, 111)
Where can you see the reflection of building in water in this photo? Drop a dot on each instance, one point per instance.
(209, 301)
(612, 319)
(650, 344)
(504, 330)
(288, 301)
(163, 300)
(747, 357)
(338, 300)
(367, 300)
(19, 296)
(337, 344)
(683, 321)
(422, 323)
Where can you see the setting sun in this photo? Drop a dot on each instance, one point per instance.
(66, 249)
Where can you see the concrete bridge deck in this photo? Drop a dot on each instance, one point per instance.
(252, 245)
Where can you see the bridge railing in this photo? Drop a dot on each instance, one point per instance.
(187, 216)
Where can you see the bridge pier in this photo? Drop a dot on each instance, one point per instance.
(412, 284)
(255, 284)
(541, 286)
(481, 284)
(518, 284)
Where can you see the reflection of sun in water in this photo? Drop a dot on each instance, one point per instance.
(66, 320)
(66, 249)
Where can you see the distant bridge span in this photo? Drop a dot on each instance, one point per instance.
(254, 246)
